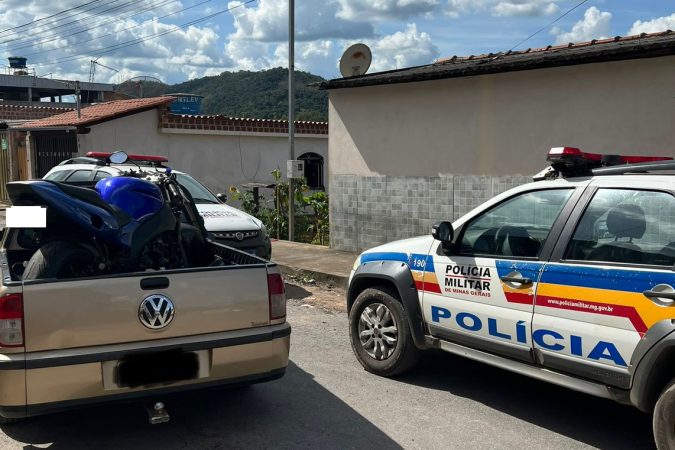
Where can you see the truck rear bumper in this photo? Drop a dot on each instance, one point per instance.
(63, 379)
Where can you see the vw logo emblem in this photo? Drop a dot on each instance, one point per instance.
(239, 235)
(156, 311)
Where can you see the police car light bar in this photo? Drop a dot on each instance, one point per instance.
(145, 158)
(571, 162)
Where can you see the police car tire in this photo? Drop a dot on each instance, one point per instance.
(664, 418)
(405, 354)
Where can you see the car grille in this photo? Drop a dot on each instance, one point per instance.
(235, 235)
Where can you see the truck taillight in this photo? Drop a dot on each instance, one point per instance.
(11, 320)
(275, 285)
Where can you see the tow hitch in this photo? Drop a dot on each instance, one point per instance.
(157, 413)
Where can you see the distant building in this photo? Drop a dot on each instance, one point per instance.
(219, 151)
(412, 146)
(186, 104)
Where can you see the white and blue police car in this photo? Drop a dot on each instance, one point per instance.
(569, 279)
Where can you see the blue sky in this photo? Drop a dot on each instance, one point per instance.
(253, 36)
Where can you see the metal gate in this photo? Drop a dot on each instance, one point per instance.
(51, 149)
(4, 165)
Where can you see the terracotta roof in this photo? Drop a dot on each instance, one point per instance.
(598, 50)
(235, 124)
(101, 112)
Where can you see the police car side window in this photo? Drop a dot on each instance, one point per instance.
(517, 227)
(626, 226)
(101, 174)
(79, 175)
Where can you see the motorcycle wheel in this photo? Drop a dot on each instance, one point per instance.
(60, 259)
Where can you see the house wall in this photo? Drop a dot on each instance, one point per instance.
(218, 159)
(403, 156)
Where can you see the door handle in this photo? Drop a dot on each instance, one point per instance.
(516, 279)
(661, 291)
(154, 283)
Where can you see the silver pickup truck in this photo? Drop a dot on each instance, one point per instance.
(71, 342)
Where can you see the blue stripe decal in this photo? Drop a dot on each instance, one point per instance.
(528, 269)
(602, 278)
(384, 256)
(422, 262)
(415, 261)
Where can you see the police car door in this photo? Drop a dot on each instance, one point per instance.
(599, 296)
(482, 294)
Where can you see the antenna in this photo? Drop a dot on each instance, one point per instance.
(355, 60)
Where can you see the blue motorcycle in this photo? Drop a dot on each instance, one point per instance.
(134, 222)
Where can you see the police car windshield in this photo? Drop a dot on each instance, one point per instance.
(199, 193)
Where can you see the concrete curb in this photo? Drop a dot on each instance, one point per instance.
(337, 280)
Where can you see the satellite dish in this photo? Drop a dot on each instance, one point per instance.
(355, 60)
(141, 87)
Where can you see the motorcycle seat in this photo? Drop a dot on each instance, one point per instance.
(91, 196)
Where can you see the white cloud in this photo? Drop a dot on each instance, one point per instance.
(171, 57)
(525, 8)
(376, 10)
(267, 21)
(402, 49)
(502, 8)
(594, 25)
(654, 25)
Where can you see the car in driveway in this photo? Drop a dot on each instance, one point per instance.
(569, 279)
(227, 225)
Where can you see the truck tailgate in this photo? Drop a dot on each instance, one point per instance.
(86, 312)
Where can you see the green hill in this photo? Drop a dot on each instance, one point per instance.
(261, 95)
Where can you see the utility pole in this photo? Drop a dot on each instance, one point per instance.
(77, 97)
(291, 122)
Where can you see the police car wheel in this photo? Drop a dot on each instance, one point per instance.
(380, 335)
(664, 418)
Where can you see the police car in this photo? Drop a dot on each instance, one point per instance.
(569, 279)
(227, 225)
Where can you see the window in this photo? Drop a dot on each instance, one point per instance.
(517, 227)
(57, 176)
(79, 175)
(313, 170)
(198, 192)
(626, 226)
(101, 174)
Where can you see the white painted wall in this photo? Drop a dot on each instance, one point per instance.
(217, 160)
(504, 123)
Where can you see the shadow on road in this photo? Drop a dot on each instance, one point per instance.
(293, 412)
(597, 422)
(295, 292)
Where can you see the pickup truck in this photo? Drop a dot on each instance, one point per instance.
(72, 342)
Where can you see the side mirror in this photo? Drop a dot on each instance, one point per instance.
(222, 197)
(118, 157)
(443, 231)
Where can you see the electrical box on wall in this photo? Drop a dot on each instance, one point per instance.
(295, 168)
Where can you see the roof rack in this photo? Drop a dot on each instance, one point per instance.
(569, 162)
(646, 167)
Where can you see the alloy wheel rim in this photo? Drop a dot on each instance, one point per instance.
(378, 332)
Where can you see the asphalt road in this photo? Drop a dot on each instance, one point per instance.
(327, 401)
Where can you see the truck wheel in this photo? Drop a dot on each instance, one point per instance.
(380, 334)
(664, 419)
(60, 259)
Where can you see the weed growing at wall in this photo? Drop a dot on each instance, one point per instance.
(311, 220)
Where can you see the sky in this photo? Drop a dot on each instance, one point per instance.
(177, 40)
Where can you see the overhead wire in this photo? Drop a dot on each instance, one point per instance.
(23, 25)
(72, 44)
(547, 26)
(52, 28)
(84, 30)
(132, 42)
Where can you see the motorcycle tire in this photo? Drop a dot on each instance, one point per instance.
(60, 259)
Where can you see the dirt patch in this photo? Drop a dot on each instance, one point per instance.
(316, 294)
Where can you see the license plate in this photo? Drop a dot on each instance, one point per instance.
(157, 368)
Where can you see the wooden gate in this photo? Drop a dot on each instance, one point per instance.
(51, 149)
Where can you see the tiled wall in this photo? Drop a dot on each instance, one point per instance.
(369, 211)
